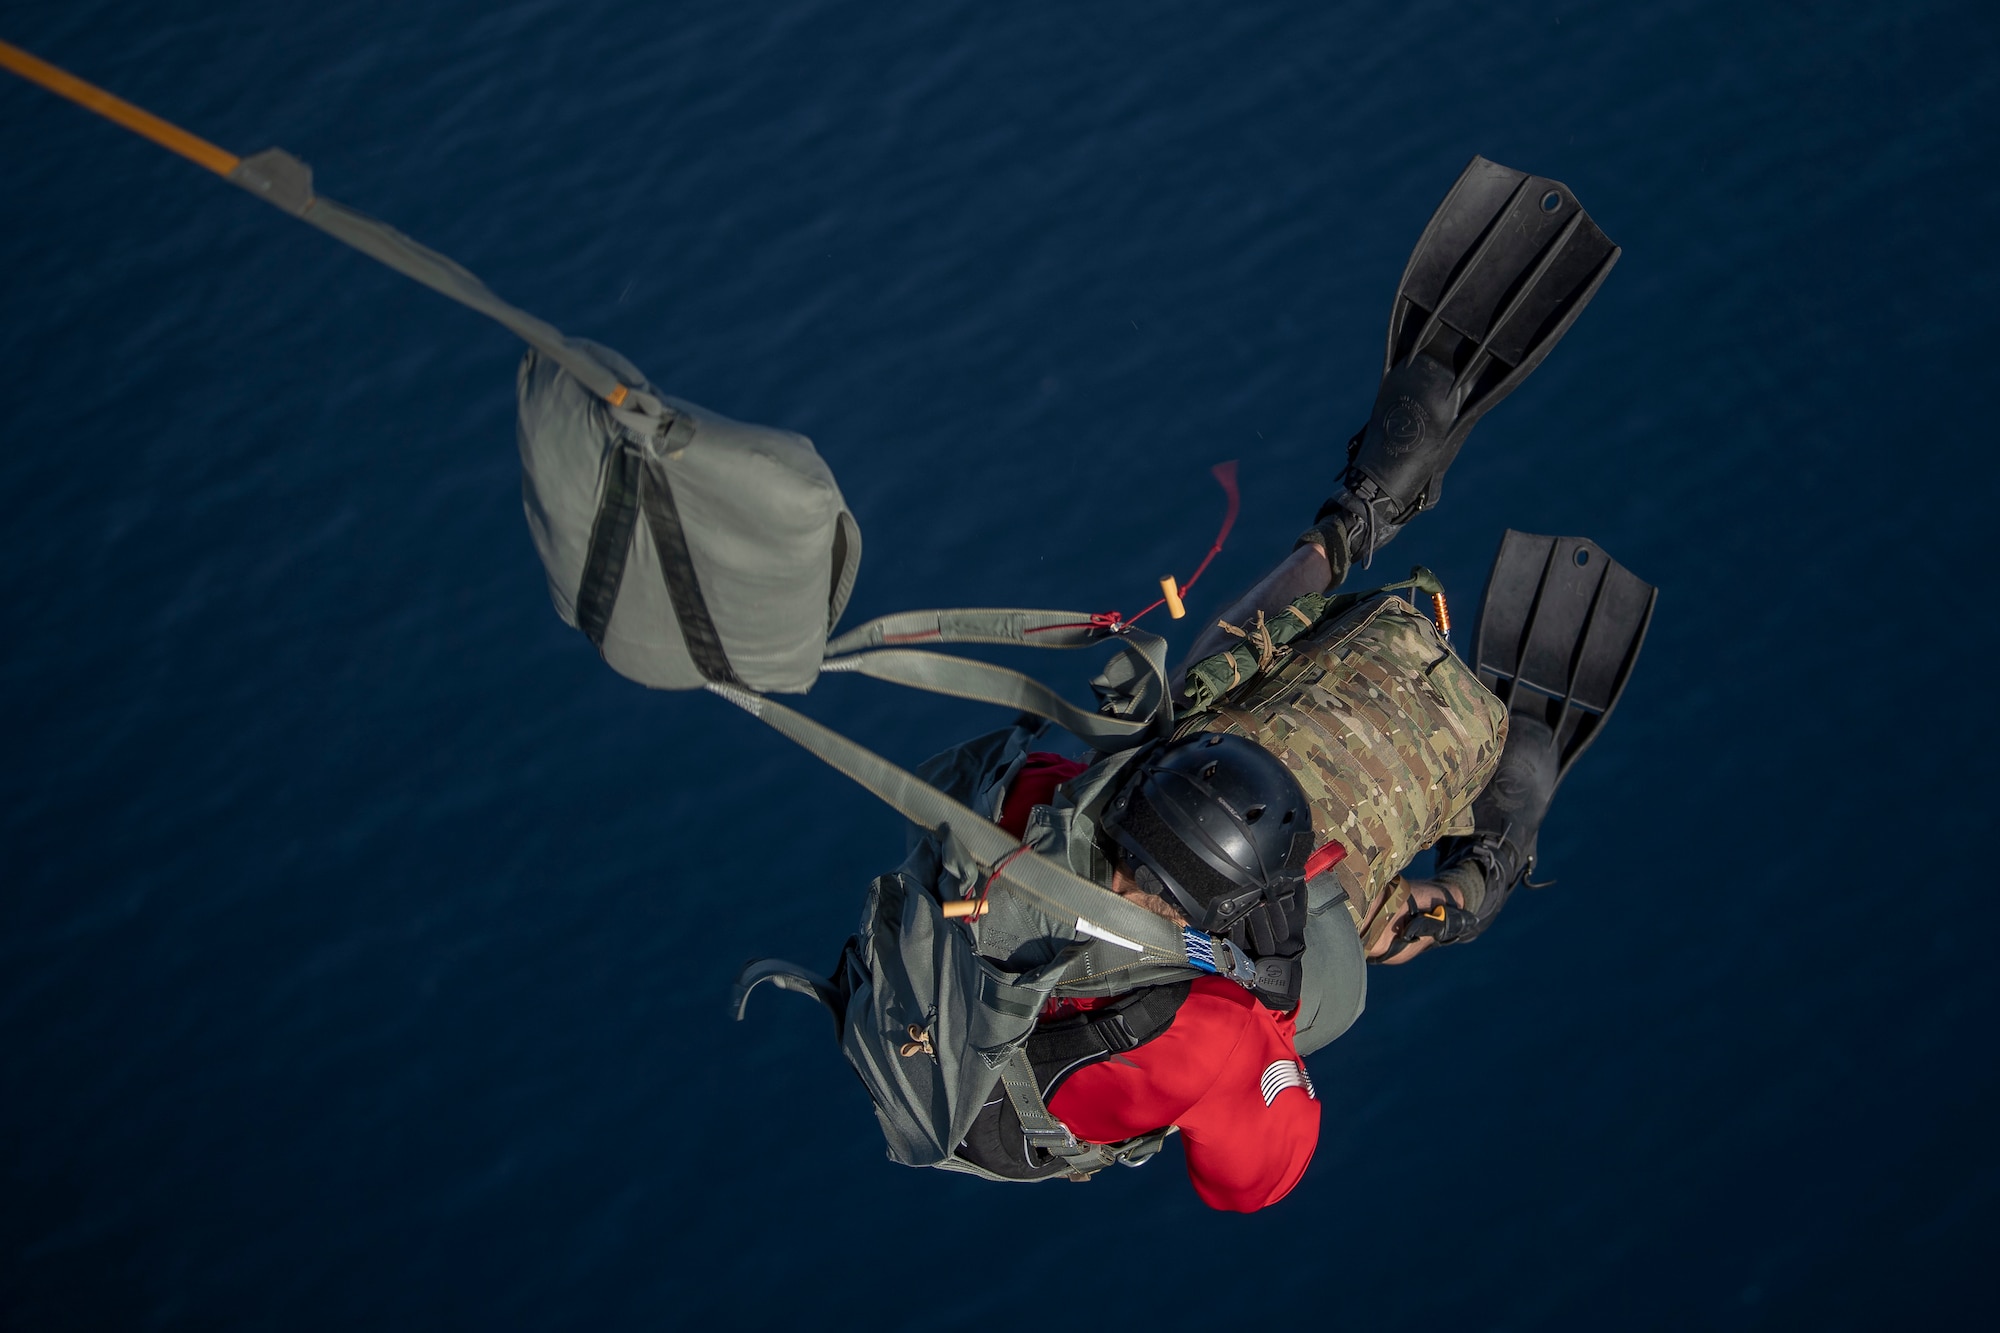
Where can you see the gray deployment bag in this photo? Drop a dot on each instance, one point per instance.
(687, 547)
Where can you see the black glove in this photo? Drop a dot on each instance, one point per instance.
(1447, 923)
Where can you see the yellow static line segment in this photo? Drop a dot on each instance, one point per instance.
(116, 109)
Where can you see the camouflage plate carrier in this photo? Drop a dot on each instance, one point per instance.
(1390, 734)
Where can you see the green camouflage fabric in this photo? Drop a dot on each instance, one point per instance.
(1260, 641)
(1210, 680)
(1390, 734)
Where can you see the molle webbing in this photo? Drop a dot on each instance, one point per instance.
(1390, 734)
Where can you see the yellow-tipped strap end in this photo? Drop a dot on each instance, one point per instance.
(1172, 593)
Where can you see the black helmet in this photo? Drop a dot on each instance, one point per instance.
(1219, 822)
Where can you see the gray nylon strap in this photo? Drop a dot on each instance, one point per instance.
(1047, 629)
(1002, 625)
(1097, 912)
(897, 659)
(284, 182)
(385, 244)
(1042, 1129)
(982, 682)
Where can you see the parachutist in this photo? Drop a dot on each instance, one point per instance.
(1318, 741)
(1160, 933)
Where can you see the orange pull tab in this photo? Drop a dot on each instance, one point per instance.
(1172, 593)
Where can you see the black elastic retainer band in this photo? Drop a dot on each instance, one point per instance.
(704, 644)
(634, 484)
(610, 544)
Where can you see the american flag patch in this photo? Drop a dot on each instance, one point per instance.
(1282, 1074)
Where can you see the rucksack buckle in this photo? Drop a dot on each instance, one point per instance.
(1058, 1139)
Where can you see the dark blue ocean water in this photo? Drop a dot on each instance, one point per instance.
(364, 942)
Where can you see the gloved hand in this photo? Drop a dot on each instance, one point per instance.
(1419, 913)
(1447, 923)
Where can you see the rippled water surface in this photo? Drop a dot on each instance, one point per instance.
(364, 942)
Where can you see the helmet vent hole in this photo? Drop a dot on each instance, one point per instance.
(1288, 817)
(1253, 814)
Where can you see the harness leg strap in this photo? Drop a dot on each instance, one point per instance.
(1043, 1130)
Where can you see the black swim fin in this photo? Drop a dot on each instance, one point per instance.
(1506, 265)
(1558, 633)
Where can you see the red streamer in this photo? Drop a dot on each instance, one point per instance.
(1225, 477)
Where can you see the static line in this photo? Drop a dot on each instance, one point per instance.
(116, 109)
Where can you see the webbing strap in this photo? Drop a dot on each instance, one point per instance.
(386, 245)
(984, 624)
(940, 673)
(1042, 1129)
(982, 682)
(1096, 912)
(610, 544)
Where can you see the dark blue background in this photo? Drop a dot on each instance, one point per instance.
(364, 942)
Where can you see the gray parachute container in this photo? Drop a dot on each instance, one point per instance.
(689, 548)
